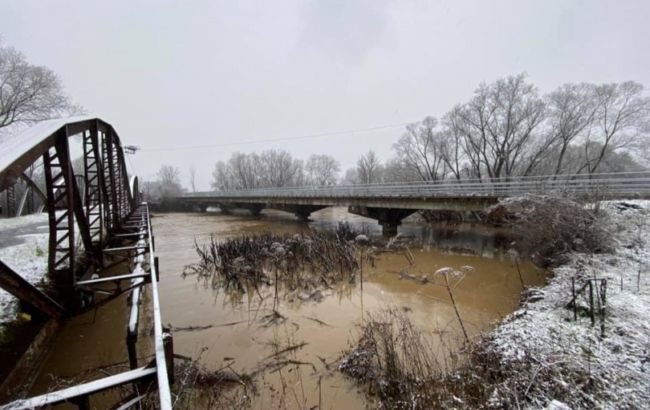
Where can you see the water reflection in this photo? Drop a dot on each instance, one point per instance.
(246, 329)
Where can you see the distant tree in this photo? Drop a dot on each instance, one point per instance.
(369, 168)
(271, 168)
(28, 92)
(169, 178)
(351, 177)
(500, 124)
(571, 111)
(322, 170)
(621, 122)
(420, 149)
(193, 178)
(396, 171)
(279, 169)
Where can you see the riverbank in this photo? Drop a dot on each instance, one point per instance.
(542, 356)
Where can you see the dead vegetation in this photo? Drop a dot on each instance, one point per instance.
(549, 228)
(302, 263)
(398, 365)
(397, 362)
(198, 387)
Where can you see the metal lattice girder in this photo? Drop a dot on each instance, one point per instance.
(61, 244)
(11, 201)
(92, 194)
(26, 292)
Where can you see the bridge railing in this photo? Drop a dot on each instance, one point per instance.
(628, 184)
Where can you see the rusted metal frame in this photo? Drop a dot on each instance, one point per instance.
(11, 201)
(116, 278)
(74, 202)
(34, 187)
(115, 218)
(92, 193)
(63, 157)
(127, 197)
(23, 200)
(99, 164)
(125, 248)
(51, 210)
(108, 215)
(71, 394)
(114, 294)
(127, 204)
(15, 284)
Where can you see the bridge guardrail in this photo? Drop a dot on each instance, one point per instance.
(636, 183)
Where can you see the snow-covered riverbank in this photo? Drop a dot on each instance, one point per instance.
(23, 246)
(563, 362)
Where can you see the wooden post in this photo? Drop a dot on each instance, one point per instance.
(575, 301)
(591, 302)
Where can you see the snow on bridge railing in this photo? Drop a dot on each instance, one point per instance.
(620, 184)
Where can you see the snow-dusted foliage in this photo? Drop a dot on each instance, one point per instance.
(549, 358)
(26, 254)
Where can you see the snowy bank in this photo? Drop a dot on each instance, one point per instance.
(23, 247)
(567, 361)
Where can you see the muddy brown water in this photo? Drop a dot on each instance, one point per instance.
(236, 334)
(490, 291)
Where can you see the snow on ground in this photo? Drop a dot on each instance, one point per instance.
(595, 372)
(25, 253)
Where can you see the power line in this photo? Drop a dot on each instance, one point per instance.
(307, 136)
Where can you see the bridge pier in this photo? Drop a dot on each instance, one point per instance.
(388, 218)
(301, 211)
(254, 209)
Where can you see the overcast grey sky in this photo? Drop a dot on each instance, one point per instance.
(169, 74)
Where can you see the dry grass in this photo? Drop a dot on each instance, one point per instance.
(304, 262)
(549, 228)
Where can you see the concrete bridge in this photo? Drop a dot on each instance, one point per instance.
(390, 203)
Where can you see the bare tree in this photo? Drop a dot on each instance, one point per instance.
(278, 169)
(571, 110)
(500, 123)
(322, 170)
(244, 171)
(272, 168)
(28, 92)
(396, 171)
(169, 178)
(420, 149)
(621, 120)
(193, 178)
(221, 177)
(369, 168)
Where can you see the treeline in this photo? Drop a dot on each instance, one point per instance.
(506, 129)
(274, 168)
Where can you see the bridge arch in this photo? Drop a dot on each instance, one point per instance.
(90, 204)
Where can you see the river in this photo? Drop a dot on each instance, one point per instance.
(230, 332)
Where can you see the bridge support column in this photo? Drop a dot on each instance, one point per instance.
(304, 211)
(388, 218)
(225, 208)
(301, 211)
(254, 209)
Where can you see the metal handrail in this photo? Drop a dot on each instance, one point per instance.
(611, 183)
(164, 393)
